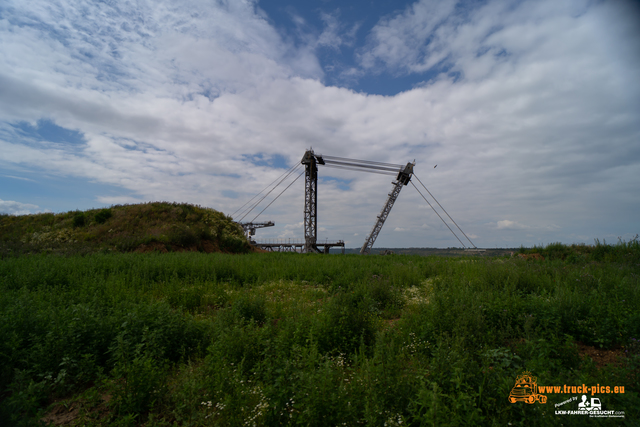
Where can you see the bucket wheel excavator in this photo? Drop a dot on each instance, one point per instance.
(311, 161)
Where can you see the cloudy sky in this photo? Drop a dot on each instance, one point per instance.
(529, 109)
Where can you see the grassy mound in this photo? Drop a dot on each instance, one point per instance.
(622, 252)
(161, 226)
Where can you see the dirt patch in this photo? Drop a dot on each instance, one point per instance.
(77, 412)
(210, 247)
(599, 356)
(61, 415)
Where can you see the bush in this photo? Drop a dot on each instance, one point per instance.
(103, 215)
(79, 219)
(182, 235)
(384, 295)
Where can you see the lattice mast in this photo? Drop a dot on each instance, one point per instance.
(310, 201)
(403, 178)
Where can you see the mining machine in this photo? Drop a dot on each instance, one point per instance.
(311, 161)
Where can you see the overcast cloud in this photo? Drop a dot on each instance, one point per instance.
(529, 110)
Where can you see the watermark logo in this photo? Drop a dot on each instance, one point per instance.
(526, 390)
(592, 407)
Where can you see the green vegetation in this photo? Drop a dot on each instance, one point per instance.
(195, 339)
(622, 252)
(123, 228)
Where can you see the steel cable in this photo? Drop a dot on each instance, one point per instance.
(263, 197)
(240, 209)
(361, 170)
(443, 221)
(364, 166)
(335, 158)
(301, 173)
(445, 211)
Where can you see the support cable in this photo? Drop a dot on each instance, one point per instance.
(362, 170)
(371, 162)
(445, 211)
(263, 197)
(363, 166)
(255, 205)
(276, 198)
(240, 209)
(425, 199)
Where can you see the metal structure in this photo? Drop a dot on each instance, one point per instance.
(288, 245)
(250, 227)
(403, 178)
(311, 161)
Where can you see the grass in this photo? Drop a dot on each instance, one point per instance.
(196, 339)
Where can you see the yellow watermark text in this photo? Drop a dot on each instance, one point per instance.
(581, 389)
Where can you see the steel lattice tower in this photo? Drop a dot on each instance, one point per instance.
(310, 201)
(403, 178)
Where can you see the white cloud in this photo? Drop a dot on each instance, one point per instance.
(19, 178)
(295, 226)
(16, 208)
(505, 224)
(330, 36)
(541, 124)
(401, 41)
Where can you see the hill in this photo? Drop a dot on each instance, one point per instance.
(158, 226)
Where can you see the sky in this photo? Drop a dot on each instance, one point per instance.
(523, 117)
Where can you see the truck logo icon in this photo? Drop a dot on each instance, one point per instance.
(594, 405)
(526, 390)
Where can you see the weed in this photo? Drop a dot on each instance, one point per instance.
(250, 309)
(139, 375)
(283, 339)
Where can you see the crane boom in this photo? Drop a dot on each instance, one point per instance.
(250, 227)
(403, 178)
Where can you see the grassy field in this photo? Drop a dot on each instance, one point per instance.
(196, 339)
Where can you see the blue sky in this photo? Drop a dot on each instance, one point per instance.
(529, 109)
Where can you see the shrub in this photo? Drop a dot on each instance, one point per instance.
(182, 235)
(384, 295)
(235, 244)
(79, 219)
(103, 215)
